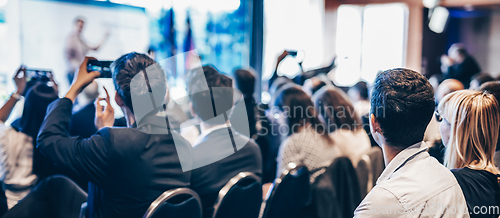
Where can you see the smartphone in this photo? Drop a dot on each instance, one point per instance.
(36, 74)
(102, 67)
(292, 53)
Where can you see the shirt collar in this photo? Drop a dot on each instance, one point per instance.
(401, 159)
(208, 131)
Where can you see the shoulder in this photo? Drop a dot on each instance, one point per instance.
(379, 202)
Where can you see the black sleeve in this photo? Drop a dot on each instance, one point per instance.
(85, 157)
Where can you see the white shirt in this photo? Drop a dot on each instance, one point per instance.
(352, 144)
(17, 164)
(309, 148)
(414, 184)
(208, 131)
(76, 50)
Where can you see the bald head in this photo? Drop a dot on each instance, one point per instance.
(446, 87)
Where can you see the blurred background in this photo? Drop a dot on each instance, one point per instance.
(365, 36)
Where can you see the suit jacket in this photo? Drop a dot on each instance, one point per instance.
(464, 71)
(208, 180)
(82, 122)
(128, 169)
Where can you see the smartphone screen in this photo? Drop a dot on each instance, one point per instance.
(102, 67)
(41, 75)
(292, 53)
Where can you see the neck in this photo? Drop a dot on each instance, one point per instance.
(129, 116)
(205, 127)
(389, 153)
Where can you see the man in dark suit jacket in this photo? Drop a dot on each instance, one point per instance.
(128, 168)
(459, 65)
(220, 152)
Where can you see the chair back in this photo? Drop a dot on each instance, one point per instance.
(290, 193)
(240, 197)
(377, 163)
(365, 175)
(180, 202)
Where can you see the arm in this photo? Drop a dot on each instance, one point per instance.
(20, 85)
(278, 61)
(85, 157)
(104, 39)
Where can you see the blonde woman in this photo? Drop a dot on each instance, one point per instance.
(469, 126)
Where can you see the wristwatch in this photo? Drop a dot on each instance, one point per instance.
(16, 95)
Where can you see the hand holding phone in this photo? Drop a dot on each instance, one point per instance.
(292, 53)
(102, 67)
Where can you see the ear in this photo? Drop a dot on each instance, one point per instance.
(374, 125)
(119, 101)
(191, 109)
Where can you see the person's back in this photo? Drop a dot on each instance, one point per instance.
(481, 190)
(469, 124)
(352, 144)
(220, 152)
(141, 167)
(128, 167)
(208, 180)
(413, 184)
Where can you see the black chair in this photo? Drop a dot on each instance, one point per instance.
(240, 197)
(289, 195)
(181, 202)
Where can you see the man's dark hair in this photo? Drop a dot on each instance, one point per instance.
(362, 88)
(245, 81)
(403, 104)
(482, 78)
(217, 100)
(462, 51)
(127, 67)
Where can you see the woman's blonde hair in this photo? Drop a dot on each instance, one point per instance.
(474, 127)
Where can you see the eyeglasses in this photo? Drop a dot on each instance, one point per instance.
(439, 118)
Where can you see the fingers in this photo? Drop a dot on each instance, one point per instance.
(19, 70)
(107, 95)
(108, 101)
(98, 107)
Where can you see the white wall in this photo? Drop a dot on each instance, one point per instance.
(46, 24)
(293, 25)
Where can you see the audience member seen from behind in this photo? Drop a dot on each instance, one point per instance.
(312, 85)
(128, 168)
(402, 104)
(308, 142)
(245, 82)
(432, 132)
(469, 128)
(493, 88)
(360, 97)
(22, 164)
(459, 64)
(478, 80)
(218, 138)
(342, 122)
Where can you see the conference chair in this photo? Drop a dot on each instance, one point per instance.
(377, 163)
(241, 197)
(180, 202)
(289, 193)
(365, 175)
